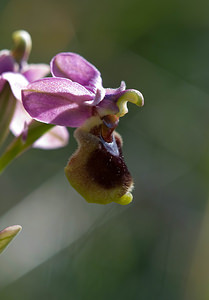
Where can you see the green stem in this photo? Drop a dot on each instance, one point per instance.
(19, 145)
(7, 108)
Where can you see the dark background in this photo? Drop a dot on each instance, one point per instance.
(158, 246)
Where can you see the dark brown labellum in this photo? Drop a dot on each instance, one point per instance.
(106, 165)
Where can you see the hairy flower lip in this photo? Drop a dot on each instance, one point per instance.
(98, 175)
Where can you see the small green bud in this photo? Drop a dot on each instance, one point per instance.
(22, 45)
(7, 235)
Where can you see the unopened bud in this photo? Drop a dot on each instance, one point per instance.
(7, 235)
(22, 45)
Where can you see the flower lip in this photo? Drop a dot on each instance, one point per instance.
(97, 174)
(107, 169)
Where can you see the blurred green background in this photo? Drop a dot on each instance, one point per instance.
(157, 247)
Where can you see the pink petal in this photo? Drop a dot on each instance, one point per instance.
(19, 119)
(117, 91)
(35, 71)
(56, 137)
(17, 82)
(6, 61)
(75, 67)
(58, 101)
(107, 107)
(63, 88)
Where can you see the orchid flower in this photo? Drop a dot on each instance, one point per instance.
(15, 74)
(75, 97)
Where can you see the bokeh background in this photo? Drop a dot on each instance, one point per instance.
(158, 246)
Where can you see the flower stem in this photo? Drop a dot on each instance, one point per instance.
(19, 145)
(7, 108)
